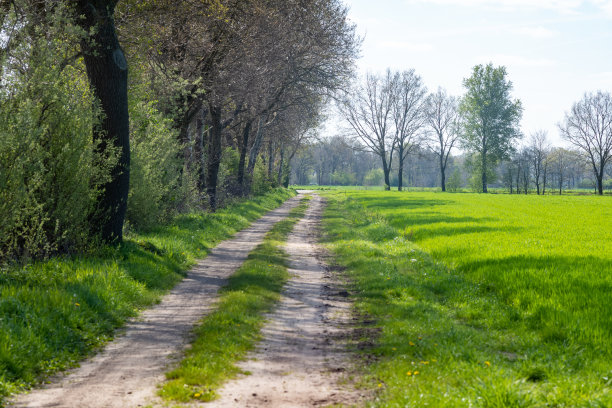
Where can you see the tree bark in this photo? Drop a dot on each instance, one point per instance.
(484, 172)
(199, 151)
(400, 171)
(214, 157)
(107, 73)
(244, 143)
(442, 173)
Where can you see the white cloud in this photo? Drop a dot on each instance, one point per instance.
(535, 32)
(515, 61)
(406, 46)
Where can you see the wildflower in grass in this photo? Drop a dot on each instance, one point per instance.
(393, 348)
(409, 373)
(413, 260)
(411, 343)
(433, 360)
(379, 385)
(424, 362)
(416, 373)
(487, 363)
(197, 395)
(77, 304)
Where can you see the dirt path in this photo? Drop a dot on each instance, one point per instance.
(298, 364)
(126, 373)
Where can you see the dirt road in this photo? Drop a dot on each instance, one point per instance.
(126, 373)
(298, 364)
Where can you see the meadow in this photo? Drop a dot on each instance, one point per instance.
(479, 300)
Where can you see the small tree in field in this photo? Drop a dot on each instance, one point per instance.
(490, 118)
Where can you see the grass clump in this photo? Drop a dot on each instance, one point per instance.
(484, 301)
(226, 335)
(54, 313)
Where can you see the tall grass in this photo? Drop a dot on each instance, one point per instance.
(482, 300)
(54, 313)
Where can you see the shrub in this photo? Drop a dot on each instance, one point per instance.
(155, 167)
(50, 170)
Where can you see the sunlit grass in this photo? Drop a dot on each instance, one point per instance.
(226, 335)
(496, 300)
(54, 313)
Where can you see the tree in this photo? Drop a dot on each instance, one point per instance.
(538, 151)
(589, 128)
(442, 117)
(490, 117)
(107, 73)
(369, 112)
(407, 94)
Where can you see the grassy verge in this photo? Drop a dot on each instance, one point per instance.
(483, 301)
(54, 313)
(226, 335)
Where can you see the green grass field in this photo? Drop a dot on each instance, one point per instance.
(480, 300)
(54, 313)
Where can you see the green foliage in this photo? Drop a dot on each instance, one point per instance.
(226, 335)
(499, 301)
(260, 183)
(56, 312)
(491, 119)
(343, 178)
(454, 182)
(155, 167)
(374, 177)
(50, 171)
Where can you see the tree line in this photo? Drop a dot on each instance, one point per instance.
(121, 114)
(392, 117)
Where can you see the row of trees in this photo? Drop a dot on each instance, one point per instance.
(391, 115)
(220, 95)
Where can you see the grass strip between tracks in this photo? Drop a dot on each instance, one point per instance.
(226, 335)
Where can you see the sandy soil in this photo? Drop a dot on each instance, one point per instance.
(299, 363)
(126, 372)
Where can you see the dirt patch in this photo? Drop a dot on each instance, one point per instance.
(126, 373)
(301, 362)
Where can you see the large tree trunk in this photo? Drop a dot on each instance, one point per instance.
(214, 157)
(107, 73)
(386, 171)
(253, 154)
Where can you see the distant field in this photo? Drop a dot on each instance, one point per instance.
(482, 300)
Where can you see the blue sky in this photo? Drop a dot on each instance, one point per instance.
(554, 50)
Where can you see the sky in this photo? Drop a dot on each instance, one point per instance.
(554, 50)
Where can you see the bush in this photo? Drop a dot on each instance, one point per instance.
(343, 178)
(50, 170)
(454, 182)
(374, 177)
(155, 168)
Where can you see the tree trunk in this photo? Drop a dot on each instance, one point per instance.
(386, 171)
(107, 73)
(214, 157)
(270, 160)
(199, 152)
(280, 167)
(484, 172)
(400, 171)
(442, 173)
(243, 150)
